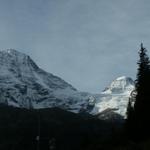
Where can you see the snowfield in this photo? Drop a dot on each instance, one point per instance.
(115, 96)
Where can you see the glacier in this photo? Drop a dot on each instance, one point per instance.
(115, 97)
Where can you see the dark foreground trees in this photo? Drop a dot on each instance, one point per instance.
(138, 115)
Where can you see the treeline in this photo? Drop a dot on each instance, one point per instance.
(138, 111)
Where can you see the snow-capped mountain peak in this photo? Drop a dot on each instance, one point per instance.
(115, 96)
(24, 84)
(120, 85)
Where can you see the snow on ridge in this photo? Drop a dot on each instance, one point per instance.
(24, 84)
(122, 78)
(120, 85)
(115, 96)
(13, 53)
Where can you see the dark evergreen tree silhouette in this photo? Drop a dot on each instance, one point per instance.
(130, 120)
(130, 115)
(138, 119)
(142, 103)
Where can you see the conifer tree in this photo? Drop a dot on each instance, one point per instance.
(140, 112)
(130, 111)
(129, 125)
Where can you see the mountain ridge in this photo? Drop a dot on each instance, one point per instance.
(23, 84)
(115, 96)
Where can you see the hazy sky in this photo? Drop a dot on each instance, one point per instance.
(88, 43)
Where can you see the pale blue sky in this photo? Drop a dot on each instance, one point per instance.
(88, 43)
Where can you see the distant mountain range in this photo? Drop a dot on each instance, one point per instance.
(23, 84)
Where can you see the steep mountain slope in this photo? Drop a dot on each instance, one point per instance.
(115, 97)
(24, 84)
